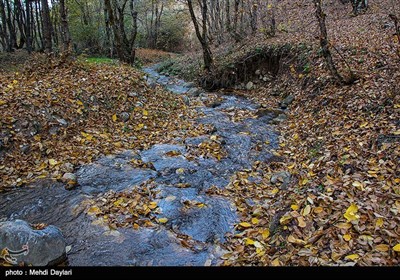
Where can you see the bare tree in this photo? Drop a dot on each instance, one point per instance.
(324, 43)
(47, 27)
(202, 35)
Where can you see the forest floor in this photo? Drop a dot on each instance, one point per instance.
(341, 145)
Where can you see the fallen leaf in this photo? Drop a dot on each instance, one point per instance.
(352, 257)
(163, 220)
(245, 224)
(351, 213)
(396, 248)
(114, 118)
(347, 237)
(379, 222)
(306, 210)
(254, 221)
(382, 247)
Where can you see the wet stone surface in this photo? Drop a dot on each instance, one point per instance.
(181, 181)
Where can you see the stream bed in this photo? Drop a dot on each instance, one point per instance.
(244, 140)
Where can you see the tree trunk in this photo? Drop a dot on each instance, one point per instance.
(65, 35)
(134, 15)
(324, 43)
(48, 44)
(28, 26)
(3, 26)
(207, 55)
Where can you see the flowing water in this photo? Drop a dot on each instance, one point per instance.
(244, 141)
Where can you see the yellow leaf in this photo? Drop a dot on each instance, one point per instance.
(295, 137)
(301, 222)
(397, 106)
(347, 237)
(276, 262)
(248, 241)
(295, 240)
(343, 225)
(180, 171)
(351, 213)
(214, 137)
(153, 205)
(382, 247)
(200, 205)
(291, 166)
(304, 181)
(294, 207)
(52, 162)
(285, 219)
(79, 103)
(136, 226)
(114, 117)
(254, 221)
(364, 124)
(265, 233)
(140, 126)
(145, 112)
(318, 210)
(275, 191)
(118, 202)
(94, 210)
(397, 248)
(2, 102)
(245, 224)
(306, 210)
(163, 220)
(379, 222)
(358, 185)
(352, 257)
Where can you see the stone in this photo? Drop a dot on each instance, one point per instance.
(249, 85)
(194, 92)
(186, 100)
(62, 121)
(125, 116)
(287, 101)
(54, 130)
(70, 180)
(67, 167)
(36, 247)
(25, 148)
(258, 72)
(282, 179)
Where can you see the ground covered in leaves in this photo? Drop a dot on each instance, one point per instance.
(56, 116)
(341, 146)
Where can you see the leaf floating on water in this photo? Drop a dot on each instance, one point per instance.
(163, 220)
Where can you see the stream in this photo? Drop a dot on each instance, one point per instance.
(245, 141)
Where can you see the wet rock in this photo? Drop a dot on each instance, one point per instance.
(282, 179)
(159, 156)
(287, 101)
(62, 121)
(249, 85)
(30, 246)
(194, 92)
(70, 180)
(258, 72)
(111, 172)
(124, 116)
(67, 167)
